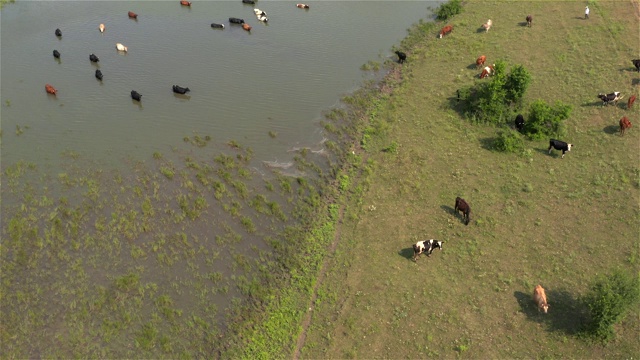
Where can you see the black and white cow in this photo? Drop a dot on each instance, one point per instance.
(636, 63)
(610, 98)
(426, 246)
(236, 20)
(401, 56)
(519, 122)
(559, 145)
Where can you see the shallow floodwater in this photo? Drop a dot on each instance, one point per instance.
(278, 78)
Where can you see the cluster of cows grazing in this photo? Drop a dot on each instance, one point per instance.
(427, 246)
(260, 15)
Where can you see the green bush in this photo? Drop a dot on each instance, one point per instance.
(516, 84)
(610, 299)
(545, 121)
(448, 10)
(508, 141)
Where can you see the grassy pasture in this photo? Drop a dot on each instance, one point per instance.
(537, 218)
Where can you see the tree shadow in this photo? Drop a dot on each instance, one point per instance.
(611, 129)
(567, 314)
(487, 143)
(406, 253)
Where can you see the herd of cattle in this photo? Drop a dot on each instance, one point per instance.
(261, 15)
(427, 246)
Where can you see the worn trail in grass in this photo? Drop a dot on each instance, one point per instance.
(536, 218)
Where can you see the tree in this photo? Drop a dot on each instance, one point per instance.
(545, 121)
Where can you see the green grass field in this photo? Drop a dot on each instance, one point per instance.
(537, 218)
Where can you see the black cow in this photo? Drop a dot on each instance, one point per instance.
(217, 26)
(98, 74)
(58, 33)
(426, 247)
(236, 20)
(463, 207)
(636, 63)
(610, 98)
(250, 2)
(180, 90)
(559, 145)
(93, 58)
(136, 95)
(56, 54)
(519, 122)
(401, 56)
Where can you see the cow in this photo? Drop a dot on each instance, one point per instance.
(180, 90)
(559, 145)
(261, 15)
(98, 74)
(610, 98)
(445, 31)
(624, 125)
(133, 15)
(529, 20)
(487, 25)
(121, 47)
(520, 122)
(246, 27)
(463, 207)
(540, 299)
(249, 2)
(487, 71)
(401, 56)
(636, 63)
(236, 20)
(185, 3)
(136, 95)
(632, 99)
(302, 6)
(56, 54)
(217, 26)
(101, 28)
(480, 61)
(426, 247)
(93, 58)
(58, 33)
(50, 89)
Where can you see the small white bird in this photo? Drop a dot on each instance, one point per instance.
(101, 28)
(121, 47)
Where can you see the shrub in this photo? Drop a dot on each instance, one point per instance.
(516, 84)
(610, 299)
(448, 10)
(508, 141)
(545, 121)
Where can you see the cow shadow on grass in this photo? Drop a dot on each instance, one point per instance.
(567, 313)
(480, 30)
(635, 82)
(523, 24)
(448, 209)
(406, 253)
(611, 129)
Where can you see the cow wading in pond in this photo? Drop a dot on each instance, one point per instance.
(559, 145)
(426, 247)
(464, 208)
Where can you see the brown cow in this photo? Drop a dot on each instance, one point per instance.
(540, 298)
(445, 30)
(487, 71)
(529, 20)
(480, 61)
(246, 27)
(463, 207)
(133, 15)
(302, 6)
(632, 99)
(624, 125)
(50, 89)
(185, 3)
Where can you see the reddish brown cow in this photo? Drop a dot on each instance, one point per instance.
(624, 125)
(302, 6)
(529, 20)
(133, 15)
(487, 71)
(445, 30)
(632, 99)
(540, 298)
(246, 27)
(185, 3)
(50, 89)
(480, 61)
